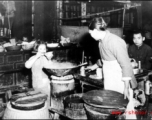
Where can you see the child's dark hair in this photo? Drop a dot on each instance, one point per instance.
(38, 43)
(100, 21)
(139, 31)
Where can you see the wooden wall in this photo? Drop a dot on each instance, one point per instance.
(22, 21)
(147, 15)
(45, 23)
(45, 20)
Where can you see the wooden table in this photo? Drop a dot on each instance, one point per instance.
(96, 83)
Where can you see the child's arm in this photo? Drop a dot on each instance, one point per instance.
(31, 61)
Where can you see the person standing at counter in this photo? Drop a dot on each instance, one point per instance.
(140, 51)
(40, 80)
(117, 69)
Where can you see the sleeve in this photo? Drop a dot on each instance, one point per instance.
(119, 50)
(147, 64)
(99, 62)
(45, 62)
(130, 52)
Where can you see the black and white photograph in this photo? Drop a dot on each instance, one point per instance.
(76, 59)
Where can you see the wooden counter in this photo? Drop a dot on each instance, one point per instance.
(98, 83)
(12, 64)
(12, 68)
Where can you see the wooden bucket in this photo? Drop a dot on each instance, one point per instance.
(61, 87)
(11, 113)
(74, 106)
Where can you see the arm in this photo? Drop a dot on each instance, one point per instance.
(31, 61)
(147, 63)
(93, 67)
(130, 52)
(118, 48)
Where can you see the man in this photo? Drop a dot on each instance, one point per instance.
(140, 51)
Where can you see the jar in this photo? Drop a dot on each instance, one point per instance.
(148, 87)
(1, 48)
(82, 71)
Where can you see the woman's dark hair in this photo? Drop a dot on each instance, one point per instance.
(38, 43)
(139, 31)
(97, 21)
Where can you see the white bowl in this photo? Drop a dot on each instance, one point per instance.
(135, 70)
(52, 45)
(27, 46)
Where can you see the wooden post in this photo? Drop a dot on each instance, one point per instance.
(82, 56)
(123, 19)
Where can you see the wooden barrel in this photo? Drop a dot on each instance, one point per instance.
(94, 114)
(61, 87)
(11, 113)
(103, 104)
(74, 106)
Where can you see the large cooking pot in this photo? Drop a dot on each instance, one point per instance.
(100, 104)
(105, 99)
(63, 71)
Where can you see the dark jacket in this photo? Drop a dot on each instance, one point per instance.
(142, 53)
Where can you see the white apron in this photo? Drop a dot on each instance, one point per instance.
(112, 73)
(113, 81)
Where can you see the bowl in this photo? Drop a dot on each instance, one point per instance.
(135, 70)
(13, 48)
(52, 45)
(27, 46)
(67, 44)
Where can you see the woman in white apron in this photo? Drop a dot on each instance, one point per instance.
(117, 69)
(40, 81)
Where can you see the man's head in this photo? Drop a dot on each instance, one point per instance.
(96, 26)
(138, 37)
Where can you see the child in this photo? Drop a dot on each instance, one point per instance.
(140, 51)
(40, 81)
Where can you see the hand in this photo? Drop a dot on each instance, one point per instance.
(126, 93)
(39, 54)
(49, 55)
(89, 68)
(140, 96)
(93, 67)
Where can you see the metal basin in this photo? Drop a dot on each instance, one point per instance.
(61, 72)
(64, 71)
